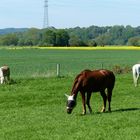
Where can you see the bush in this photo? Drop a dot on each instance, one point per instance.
(119, 70)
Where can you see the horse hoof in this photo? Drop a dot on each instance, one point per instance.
(103, 110)
(83, 113)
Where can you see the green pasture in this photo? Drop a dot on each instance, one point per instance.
(33, 106)
(42, 63)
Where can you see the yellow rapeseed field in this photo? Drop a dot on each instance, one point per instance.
(95, 48)
(78, 48)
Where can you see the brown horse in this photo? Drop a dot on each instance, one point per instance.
(91, 81)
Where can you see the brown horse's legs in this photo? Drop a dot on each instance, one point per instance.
(88, 102)
(83, 103)
(104, 100)
(109, 95)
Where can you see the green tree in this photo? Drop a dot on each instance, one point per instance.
(48, 37)
(134, 41)
(62, 38)
(76, 41)
(9, 39)
(30, 37)
(103, 40)
(92, 42)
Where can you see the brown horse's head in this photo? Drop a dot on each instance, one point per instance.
(71, 103)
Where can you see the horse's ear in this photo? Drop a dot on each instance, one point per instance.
(66, 95)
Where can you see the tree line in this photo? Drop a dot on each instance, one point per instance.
(90, 36)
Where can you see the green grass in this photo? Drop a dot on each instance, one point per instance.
(33, 107)
(42, 63)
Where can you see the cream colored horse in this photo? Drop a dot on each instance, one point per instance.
(4, 74)
(136, 73)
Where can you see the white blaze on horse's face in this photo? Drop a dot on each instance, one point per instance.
(71, 103)
(71, 98)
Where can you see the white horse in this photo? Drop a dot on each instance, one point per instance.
(136, 73)
(4, 74)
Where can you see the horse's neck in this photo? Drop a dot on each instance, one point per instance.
(75, 89)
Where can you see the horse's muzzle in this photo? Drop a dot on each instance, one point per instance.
(69, 110)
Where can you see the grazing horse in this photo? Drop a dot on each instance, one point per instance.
(136, 73)
(91, 81)
(4, 74)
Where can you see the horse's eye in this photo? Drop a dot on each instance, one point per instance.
(71, 104)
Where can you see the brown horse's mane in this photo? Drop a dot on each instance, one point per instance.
(77, 80)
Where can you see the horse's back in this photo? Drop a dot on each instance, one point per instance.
(136, 68)
(98, 74)
(97, 79)
(105, 77)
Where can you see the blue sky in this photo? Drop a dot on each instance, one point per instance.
(69, 13)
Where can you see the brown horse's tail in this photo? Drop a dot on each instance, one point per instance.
(110, 88)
